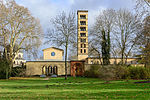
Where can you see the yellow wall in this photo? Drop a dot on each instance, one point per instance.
(112, 60)
(82, 57)
(35, 67)
(47, 54)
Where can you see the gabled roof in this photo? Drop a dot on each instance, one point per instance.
(53, 48)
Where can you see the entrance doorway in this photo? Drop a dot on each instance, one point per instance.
(77, 68)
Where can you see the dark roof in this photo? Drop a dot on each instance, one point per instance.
(114, 58)
(77, 60)
(20, 59)
(51, 60)
(54, 48)
(82, 11)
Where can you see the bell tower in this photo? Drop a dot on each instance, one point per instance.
(82, 39)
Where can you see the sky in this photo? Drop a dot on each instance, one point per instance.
(44, 10)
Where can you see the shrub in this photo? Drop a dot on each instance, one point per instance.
(93, 72)
(18, 72)
(4, 65)
(121, 72)
(113, 72)
(139, 72)
(107, 73)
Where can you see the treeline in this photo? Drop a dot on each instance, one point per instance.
(121, 33)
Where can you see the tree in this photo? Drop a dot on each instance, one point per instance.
(18, 29)
(101, 33)
(143, 2)
(63, 32)
(144, 42)
(94, 51)
(142, 8)
(73, 53)
(147, 2)
(143, 12)
(127, 26)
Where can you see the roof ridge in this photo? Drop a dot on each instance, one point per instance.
(54, 48)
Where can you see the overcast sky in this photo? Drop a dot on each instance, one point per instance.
(47, 9)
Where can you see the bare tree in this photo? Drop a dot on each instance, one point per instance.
(144, 42)
(143, 2)
(17, 28)
(147, 2)
(73, 51)
(142, 8)
(101, 33)
(127, 26)
(95, 51)
(63, 32)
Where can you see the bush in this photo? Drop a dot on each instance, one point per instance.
(4, 65)
(121, 72)
(139, 73)
(115, 72)
(93, 72)
(18, 72)
(107, 73)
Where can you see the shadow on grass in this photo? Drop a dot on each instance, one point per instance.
(77, 94)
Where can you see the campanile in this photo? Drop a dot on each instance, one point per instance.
(82, 40)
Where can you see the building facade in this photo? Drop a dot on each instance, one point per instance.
(53, 63)
(19, 60)
(53, 53)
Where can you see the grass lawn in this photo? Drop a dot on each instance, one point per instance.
(73, 88)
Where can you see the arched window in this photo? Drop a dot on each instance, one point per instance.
(84, 50)
(55, 70)
(19, 56)
(84, 45)
(44, 70)
(91, 62)
(50, 70)
(97, 62)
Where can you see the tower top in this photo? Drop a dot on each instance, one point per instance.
(82, 11)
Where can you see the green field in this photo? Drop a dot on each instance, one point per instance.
(73, 88)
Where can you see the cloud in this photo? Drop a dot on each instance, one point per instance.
(47, 9)
(117, 4)
(88, 4)
(95, 6)
(40, 9)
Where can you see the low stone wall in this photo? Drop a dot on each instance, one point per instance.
(88, 66)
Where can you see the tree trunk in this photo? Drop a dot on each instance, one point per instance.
(66, 61)
(108, 48)
(122, 55)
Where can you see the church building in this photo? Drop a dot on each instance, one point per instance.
(53, 62)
